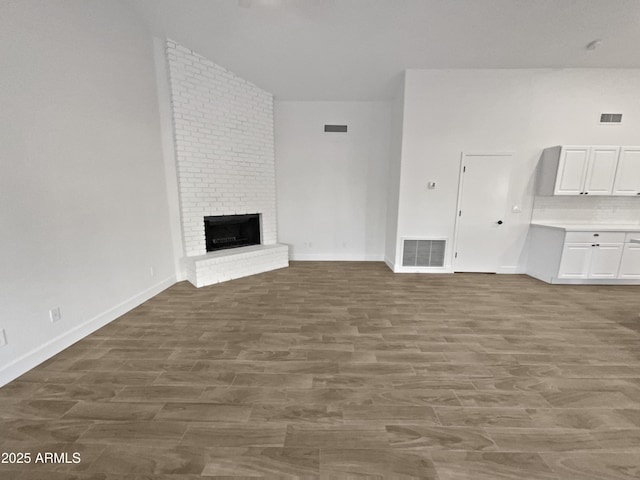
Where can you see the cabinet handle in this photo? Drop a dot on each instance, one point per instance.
(586, 193)
(596, 234)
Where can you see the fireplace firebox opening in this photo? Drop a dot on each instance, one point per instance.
(231, 231)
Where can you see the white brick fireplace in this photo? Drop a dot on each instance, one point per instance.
(223, 128)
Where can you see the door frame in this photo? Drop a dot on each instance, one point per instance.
(456, 228)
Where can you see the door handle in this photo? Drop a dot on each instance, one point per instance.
(499, 222)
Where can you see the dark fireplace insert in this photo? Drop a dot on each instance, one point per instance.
(231, 231)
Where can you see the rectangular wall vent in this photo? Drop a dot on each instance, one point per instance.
(335, 128)
(423, 253)
(610, 118)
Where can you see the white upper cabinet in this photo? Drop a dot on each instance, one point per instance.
(571, 170)
(601, 170)
(589, 170)
(627, 181)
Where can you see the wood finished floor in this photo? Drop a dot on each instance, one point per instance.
(344, 370)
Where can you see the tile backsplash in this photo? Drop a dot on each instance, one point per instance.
(596, 210)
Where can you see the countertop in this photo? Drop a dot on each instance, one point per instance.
(574, 227)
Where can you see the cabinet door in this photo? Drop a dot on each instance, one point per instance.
(627, 181)
(575, 260)
(601, 170)
(572, 170)
(605, 260)
(630, 264)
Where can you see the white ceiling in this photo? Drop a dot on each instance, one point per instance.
(357, 49)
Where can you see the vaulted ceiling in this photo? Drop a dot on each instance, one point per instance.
(357, 49)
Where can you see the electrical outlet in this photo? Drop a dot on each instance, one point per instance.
(54, 314)
(3, 338)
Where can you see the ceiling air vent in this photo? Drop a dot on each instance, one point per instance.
(423, 253)
(335, 128)
(610, 118)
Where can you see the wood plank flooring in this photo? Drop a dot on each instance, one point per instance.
(344, 370)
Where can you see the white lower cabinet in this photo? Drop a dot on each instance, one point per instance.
(590, 260)
(605, 260)
(575, 260)
(559, 254)
(630, 264)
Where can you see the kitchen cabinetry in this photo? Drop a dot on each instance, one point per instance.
(589, 170)
(630, 264)
(605, 260)
(575, 260)
(570, 169)
(559, 255)
(601, 170)
(627, 181)
(591, 255)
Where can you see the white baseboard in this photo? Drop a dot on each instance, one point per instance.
(35, 357)
(593, 281)
(436, 270)
(512, 269)
(390, 264)
(322, 257)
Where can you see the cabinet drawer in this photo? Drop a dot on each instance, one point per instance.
(597, 237)
(632, 236)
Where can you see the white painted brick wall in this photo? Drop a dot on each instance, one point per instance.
(223, 128)
(596, 210)
(240, 262)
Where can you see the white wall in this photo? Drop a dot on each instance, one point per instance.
(448, 112)
(393, 181)
(224, 146)
(83, 204)
(169, 154)
(332, 187)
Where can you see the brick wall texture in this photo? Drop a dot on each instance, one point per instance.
(223, 127)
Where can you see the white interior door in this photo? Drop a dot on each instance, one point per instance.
(480, 233)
